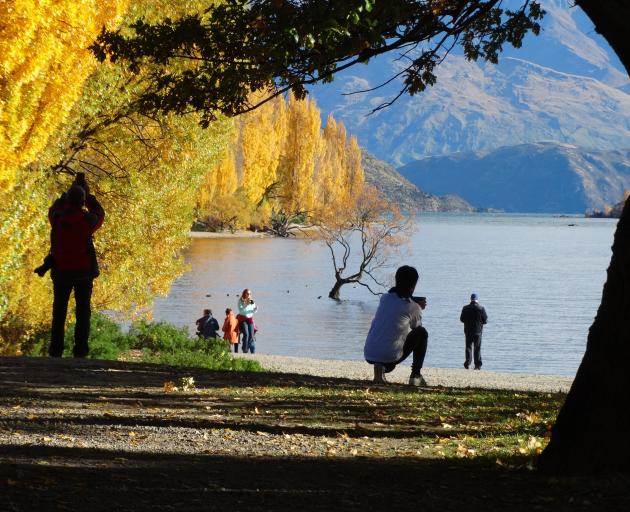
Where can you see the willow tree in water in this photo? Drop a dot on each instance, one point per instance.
(362, 238)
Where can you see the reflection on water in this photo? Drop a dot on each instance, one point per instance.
(539, 278)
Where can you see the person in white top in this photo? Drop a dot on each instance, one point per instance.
(246, 309)
(396, 330)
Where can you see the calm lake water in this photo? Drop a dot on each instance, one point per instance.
(539, 278)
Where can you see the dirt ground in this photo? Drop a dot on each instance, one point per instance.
(95, 436)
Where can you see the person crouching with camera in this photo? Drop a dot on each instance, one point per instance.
(396, 330)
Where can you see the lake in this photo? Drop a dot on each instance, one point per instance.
(540, 279)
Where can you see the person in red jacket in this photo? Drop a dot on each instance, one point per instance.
(73, 263)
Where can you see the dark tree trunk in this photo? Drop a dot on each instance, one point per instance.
(610, 18)
(591, 433)
(334, 293)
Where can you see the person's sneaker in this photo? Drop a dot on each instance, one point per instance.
(477, 367)
(466, 366)
(379, 374)
(417, 381)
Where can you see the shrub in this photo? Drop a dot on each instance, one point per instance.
(160, 337)
(107, 341)
(166, 344)
(160, 342)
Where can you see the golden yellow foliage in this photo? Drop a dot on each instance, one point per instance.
(146, 172)
(151, 211)
(44, 62)
(285, 163)
(261, 138)
(24, 297)
(302, 146)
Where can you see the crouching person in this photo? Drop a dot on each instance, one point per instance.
(396, 330)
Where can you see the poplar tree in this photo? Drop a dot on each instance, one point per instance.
(261, 137)
(146, 171)
(302, 145)
(44, 62)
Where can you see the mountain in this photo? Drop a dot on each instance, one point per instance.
(540, 178)
(564, 86)
(400, 191)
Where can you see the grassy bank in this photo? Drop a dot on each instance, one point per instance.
(93, 435)
(153, 342)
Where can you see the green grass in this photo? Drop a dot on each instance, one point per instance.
(502, 427)
(159, 342)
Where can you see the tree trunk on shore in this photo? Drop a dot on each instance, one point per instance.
(591, 432)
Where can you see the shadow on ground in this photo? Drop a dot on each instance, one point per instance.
(39, 477)
(77, 479)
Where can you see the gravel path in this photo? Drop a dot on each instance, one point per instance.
(448, 377)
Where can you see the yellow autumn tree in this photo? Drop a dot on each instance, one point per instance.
(354, 177)
(328, 166)
(259, 147)
(146, 171)
(285, 163)
(24, 298)
(151, 211)
(339, 173)
(44, 62)
(301, 149)
(218, 203)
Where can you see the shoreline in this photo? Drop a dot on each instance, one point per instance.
(439, 377)
(298, 233)
(242, 233)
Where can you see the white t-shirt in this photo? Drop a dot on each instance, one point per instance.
(394, 319)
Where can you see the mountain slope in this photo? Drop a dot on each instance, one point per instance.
(541, 178)
(406, 195)
(565, 85)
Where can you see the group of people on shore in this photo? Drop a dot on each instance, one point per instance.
(237, 329)
(396, 331)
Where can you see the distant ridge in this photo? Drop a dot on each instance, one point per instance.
(566, 85)
(538, 178)
(405, 194)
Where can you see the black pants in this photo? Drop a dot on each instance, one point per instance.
(62, 287)
(416, 344)
(473, 342)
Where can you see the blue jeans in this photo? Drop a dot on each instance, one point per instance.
(247, 337)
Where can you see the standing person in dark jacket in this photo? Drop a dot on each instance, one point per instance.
(73, 262)
(474, 317)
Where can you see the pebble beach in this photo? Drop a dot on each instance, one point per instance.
(445, 377)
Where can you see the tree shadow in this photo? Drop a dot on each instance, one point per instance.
(42, 397)
(71, 393)
(42, 478)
